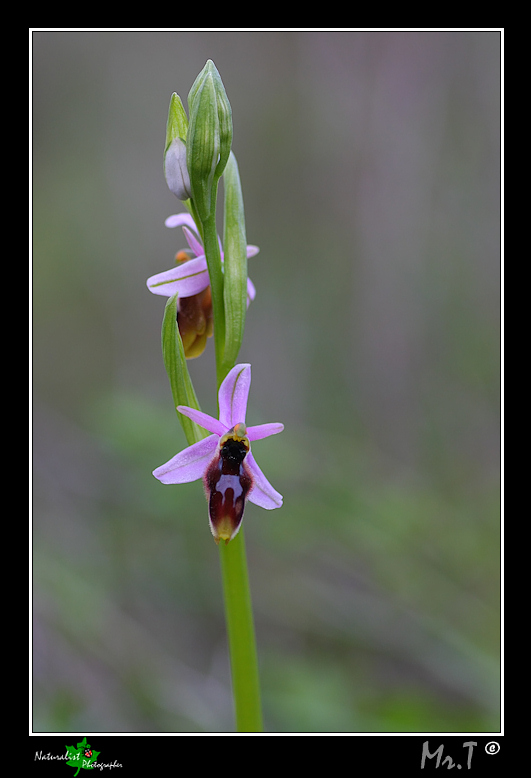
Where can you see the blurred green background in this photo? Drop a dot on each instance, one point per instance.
(370, 164)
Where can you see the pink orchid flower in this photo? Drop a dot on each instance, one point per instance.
(224, 460)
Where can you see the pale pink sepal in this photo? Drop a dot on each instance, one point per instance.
(203, 419)
(262, 493)
(233, 395)
(188, 465)
(186, 279)
(260, 431)
(194, 242)
(180, 219)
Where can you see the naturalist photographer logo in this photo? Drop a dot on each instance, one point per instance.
(81, 757)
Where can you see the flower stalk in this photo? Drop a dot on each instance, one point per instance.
(241, 635)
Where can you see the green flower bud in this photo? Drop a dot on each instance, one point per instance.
(209, 136)
(177, 124)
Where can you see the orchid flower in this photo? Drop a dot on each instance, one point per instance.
(190, 279)
(224, 460)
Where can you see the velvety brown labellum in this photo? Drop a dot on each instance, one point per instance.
(195, 320)
(228, 482)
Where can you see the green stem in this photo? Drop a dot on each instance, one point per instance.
(213, 258)
(240, 628)
(236, 590)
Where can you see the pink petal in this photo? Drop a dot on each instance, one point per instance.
(179, 219)
(263, 430)
(187, 279)
(252, 251)
(233, 394)
(251, 291)
(262, 493)
(194, 242)
(203, 419)
(189, 464)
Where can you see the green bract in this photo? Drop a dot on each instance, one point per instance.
(175, 362)
(235, 262)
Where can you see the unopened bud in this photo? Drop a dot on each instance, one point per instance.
(177, 124)
(175, 170)
(209, 136)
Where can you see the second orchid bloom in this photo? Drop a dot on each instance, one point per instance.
(190, 279)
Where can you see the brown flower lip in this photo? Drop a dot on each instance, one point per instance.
(195, 320)
(228, 481)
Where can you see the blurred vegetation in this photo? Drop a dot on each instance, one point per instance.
(370, 169)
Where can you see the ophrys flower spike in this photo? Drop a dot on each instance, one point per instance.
(208, 293)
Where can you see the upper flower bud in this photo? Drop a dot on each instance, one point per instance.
(175, 169)
(209, 136)
(177, 124)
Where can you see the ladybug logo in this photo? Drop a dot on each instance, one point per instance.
(88, 752)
